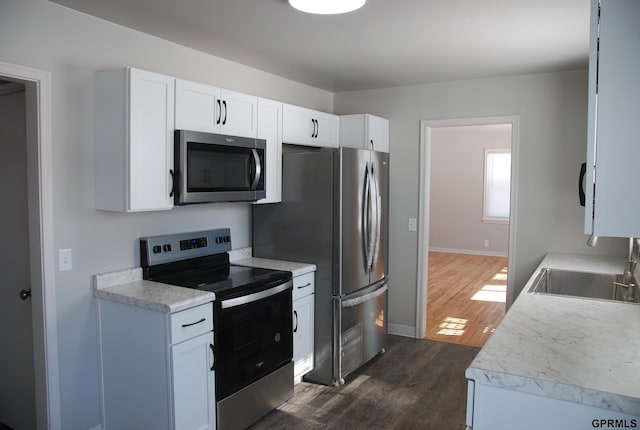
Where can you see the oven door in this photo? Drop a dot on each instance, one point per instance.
(254, 336)
(212, 167)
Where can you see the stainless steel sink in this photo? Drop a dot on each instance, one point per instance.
(583, 284)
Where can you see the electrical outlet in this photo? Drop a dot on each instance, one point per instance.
(413, 224)
(486, 242)
(65, 262)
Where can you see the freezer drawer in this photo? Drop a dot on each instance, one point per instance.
(363, 328)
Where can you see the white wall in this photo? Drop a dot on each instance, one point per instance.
(457, 190)
(73, 47)
(552, 108)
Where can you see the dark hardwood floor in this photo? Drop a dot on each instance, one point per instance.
(416, 384)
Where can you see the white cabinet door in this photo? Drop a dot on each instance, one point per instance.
(239, 116)
(303, 335)
(151, 141)
(205, 108)
(304, 126)
(296, 125)
(612, 135)
(196, 107)
(193, 383)
(327, 126)
(364, 131)
(270, 129)
(134, 151)
(378, 136)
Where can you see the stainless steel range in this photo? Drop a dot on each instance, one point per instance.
(252, 320)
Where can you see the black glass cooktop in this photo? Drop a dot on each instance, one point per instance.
(215, 275)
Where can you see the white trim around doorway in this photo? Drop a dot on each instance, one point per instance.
(424, 198)
(42, 260)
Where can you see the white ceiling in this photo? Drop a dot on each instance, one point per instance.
(386, 43)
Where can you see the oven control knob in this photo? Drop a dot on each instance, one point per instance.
(227, 238)
(166, 247)
(218, 239)
(157, 249)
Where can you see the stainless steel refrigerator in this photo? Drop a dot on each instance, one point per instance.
(334, 214)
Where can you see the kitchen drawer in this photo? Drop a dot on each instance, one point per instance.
(303, 285)
(191, 322)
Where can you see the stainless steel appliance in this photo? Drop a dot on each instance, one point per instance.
(252, 316)
(217, 168)
(334, 214)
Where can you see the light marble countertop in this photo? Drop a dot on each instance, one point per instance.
(580, 350)
(128, 287)
(295, 268)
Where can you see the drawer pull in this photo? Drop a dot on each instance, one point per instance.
(194, 323)
(308, 284)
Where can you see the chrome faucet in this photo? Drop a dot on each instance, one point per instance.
(628, 276)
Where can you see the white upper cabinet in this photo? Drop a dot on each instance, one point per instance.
(613, 152)
(364, 131)
(270, 129)
(304, 126)
(134, 126)
(201, 107)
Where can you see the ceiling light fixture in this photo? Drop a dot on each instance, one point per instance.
(327, 7)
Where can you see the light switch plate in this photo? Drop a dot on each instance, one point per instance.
(65, 262)
(413, 224)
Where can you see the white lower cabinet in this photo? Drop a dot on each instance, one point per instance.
(491, 408)
(303, 326)
(156, 368)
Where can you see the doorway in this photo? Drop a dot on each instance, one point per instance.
(465, 237)
(17, 391)
(30, 388)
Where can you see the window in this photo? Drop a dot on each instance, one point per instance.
(497, 185)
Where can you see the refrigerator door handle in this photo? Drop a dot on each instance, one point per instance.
(366, 219)
(378, 216)
(371, 239)
(349, 303)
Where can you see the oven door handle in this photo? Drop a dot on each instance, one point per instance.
(250, 298)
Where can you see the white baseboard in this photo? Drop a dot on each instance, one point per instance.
(469, 251)
(401, 330)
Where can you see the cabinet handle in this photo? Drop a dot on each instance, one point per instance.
(371, 143)
(313, 132)
(317, 128)
(173, 182)
(581, 194)
(308, 284)
(213, 359)
(219, 112)
(295, 314)
(224, 103)
(201, 320)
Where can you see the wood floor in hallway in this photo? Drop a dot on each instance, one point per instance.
(465, 298)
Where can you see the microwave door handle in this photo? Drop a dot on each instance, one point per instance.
(258, 169)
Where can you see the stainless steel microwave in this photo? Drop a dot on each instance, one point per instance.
(217, 168)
